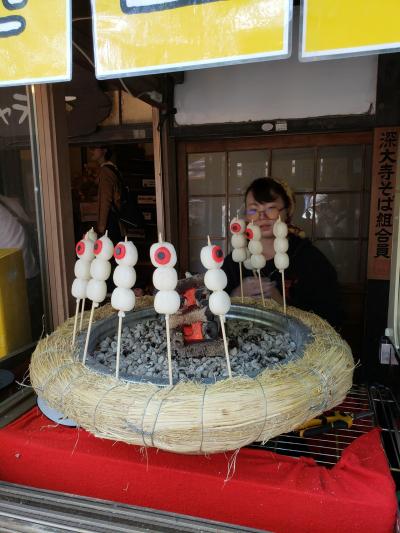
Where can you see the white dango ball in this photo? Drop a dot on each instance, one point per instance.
(238, 240)
(78, 289)
(239, 255)
(255, 247)
(163, 254)
(165, 278)
(219, 303)
(167, 302)
(237, 226)
(104, 248)
(281, 261)
(280, 229)
(247, 264)
(281, 245)
(100, 269)
(82, 269)
(125, 253)
(124, 276)
(123, 299)
(212, 256)
(215, 279)
(258, 261)
(253, 232)
(96, 290)
(85, 249)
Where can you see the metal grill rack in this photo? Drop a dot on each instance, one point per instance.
(327, 448)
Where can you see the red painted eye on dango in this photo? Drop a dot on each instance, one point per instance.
(249, 234)
(119, 251)
(162, 256)
(98, 246)
(80, 248)
(235, 227)
(217, 254)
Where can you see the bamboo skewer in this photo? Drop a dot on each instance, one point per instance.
(82, 311)
(121, 314)
(75, 321)
(261, 288)
(283, 291)
(241, 280)
(228, 361)
(169, 349)
(94, 305)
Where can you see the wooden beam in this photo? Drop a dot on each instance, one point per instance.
(55, 182)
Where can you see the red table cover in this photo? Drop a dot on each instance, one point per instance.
(267, 491)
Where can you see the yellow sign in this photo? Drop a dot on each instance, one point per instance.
(35, 41)
(341, 28)
(133, 37)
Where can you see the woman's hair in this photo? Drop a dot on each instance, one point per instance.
(268, 190)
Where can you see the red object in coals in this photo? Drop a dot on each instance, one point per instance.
(267, 491)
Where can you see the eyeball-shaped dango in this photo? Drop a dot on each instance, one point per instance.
(100, 269)
(219, 303)
(281, 245)
(96, 290)
(163, 254)
(123, 299)
(104, 248)
(255, 247)
(258, 261)
(281, 261)
(215, 279)
(124, 276)
(84, 249)
(280, 229)
(82, 269)
(125, 253)
(91, 235)
(247, 264)
(212, 256)
(79, 287)
(238, 240)
(165, 278)
(239, 255)
(167, 302)
(237, 226)
(253, 232)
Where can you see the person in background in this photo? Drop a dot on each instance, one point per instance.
(109, 193)
(310, 280)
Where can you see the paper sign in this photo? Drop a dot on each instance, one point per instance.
(383, 186)
(342, 28)
(133, 37)
(35, 41)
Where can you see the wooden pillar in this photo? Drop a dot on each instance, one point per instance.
(55, 182)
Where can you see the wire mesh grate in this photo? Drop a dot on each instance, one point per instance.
(327, 448)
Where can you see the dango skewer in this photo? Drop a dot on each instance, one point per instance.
(257, 258)
(100, 270)
(238, 241)
(123, 298)
(281, 258)
(165, 278)
(212, 258)
(85, 254)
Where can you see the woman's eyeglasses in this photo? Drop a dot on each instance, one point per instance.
(272, 213)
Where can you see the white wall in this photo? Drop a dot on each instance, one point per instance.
(277, 89)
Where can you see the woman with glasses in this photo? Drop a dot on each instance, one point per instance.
(310, 280)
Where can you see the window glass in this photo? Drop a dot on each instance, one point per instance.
(344, 255)
(340, 168)
(303, 214)
(21, 298)
(245, 166)
(207, 216)
(207, 173)
(337, 215)
(296, 166)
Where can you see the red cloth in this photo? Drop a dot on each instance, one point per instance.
(267, 491)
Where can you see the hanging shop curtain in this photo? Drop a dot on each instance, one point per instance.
(140, 37)
(343, 28)
(35, 41)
